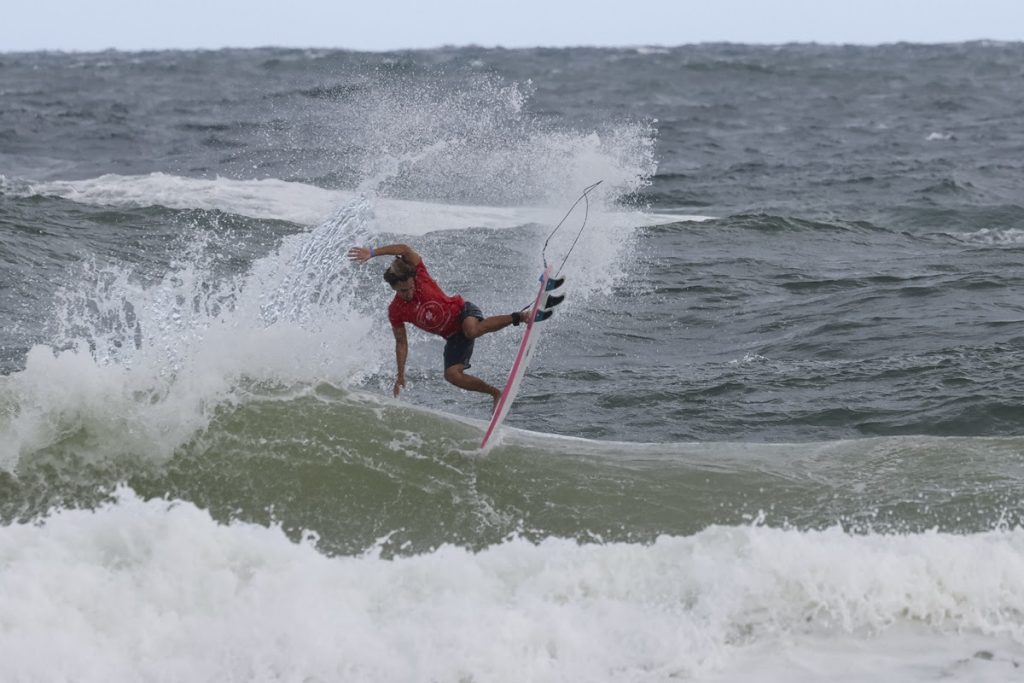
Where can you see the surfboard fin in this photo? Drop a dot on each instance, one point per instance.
(553, 301)
(554, 283)
(542, 315)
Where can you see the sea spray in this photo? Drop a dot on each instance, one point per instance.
(153, 361)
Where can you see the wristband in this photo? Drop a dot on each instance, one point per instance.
(371, 252)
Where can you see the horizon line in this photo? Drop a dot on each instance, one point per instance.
(499, 47)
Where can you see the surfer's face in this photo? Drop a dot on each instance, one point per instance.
(406, 289)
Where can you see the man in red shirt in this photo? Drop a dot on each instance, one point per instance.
(420, 301)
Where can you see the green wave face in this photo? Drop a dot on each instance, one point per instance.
(359, 472)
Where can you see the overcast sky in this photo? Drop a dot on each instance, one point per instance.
(397, 24)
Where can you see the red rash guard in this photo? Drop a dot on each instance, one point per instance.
(430, 309)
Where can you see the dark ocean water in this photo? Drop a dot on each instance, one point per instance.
(775, 428)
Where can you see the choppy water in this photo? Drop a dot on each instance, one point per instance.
(773, 433)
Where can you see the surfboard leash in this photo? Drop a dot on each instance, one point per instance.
(586, 213)
(544, 256)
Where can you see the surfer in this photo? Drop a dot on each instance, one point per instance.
(420, 301)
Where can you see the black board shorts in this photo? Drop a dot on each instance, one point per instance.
(458, 348)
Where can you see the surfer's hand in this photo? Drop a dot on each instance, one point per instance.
(399, 384)
(360, 254)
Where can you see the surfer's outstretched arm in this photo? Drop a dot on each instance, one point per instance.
(401, 353)
(402, 251)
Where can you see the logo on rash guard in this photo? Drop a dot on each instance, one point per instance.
(432, 317)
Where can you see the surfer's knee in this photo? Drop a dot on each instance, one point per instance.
(471, 327)
(454, 373)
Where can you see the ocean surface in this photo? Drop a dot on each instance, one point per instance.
(775, 432)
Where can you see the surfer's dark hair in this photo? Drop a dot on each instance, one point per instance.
(398, 271)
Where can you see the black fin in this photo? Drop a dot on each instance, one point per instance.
(554, 283)
(542, 315)
(553, 301)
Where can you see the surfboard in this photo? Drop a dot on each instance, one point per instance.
(523, 356)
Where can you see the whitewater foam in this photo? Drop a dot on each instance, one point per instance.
(148, 364)
(140, 590)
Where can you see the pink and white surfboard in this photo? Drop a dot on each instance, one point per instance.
(519, 365)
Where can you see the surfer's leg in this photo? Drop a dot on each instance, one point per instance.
(475, 327)
(474, 324)
(458, 350)
(456, 374)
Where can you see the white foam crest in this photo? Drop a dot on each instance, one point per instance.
(261, 198)
(143, 366)
(994, 236)
(304, 204)
(146, 590)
